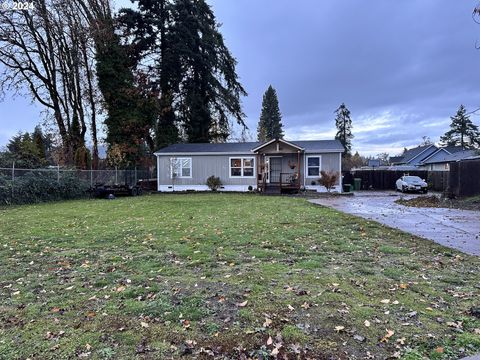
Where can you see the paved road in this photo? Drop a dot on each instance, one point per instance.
(458, 229)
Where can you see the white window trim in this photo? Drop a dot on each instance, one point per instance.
(180, 159)
(319, 166)
(242, 158)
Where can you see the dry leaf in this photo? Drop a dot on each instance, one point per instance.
(366, 323)
(243, 304)
(403, 286)
(385, 301)
(144, 324)
(339, 328)
(389, 334)
(269, 340)
(267, 322)
(290, 307)
(439, 350)
(120, 288)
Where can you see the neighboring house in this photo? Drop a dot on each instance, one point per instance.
(430, 157)
(274, 166)
(414, 156)
(440, 160)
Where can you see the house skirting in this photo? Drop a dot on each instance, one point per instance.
(170, 188)
(237, 188)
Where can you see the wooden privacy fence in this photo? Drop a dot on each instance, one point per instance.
(383, 179)
(464, 178)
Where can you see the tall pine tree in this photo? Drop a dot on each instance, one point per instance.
(343, 123)
(462, 131)
(270, 123)
(191, 70)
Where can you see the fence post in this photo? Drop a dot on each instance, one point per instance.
(135, 183)
(91, 175)
(58, 173)
(116, 175)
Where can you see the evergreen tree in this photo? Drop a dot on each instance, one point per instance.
(131, 114)
(343, 123)
(191, 71)
(270, 123)
(39, 141)
(462, 131)
(23, 150)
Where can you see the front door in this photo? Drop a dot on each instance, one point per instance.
(275, 167)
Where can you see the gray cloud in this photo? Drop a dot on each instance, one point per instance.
(404, 64)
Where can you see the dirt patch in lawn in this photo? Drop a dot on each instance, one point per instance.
(433, 201)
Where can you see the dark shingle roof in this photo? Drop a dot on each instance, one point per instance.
(459, 155)
(412, 153)
(246, 147)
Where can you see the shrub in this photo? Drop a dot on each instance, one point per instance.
(41, 187)
(214, 183)
(328, 179)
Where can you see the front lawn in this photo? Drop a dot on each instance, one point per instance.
(226, 276)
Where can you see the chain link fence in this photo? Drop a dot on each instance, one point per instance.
(92, 178)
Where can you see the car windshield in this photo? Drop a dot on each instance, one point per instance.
(411, 179)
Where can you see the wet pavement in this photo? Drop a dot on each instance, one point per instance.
(458, 229)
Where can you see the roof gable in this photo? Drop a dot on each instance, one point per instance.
(273, 141)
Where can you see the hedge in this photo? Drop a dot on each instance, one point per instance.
(41, 187)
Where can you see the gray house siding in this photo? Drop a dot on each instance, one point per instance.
(203, 166)
(329, 162)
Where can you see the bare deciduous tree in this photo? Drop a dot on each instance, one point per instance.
(49, 51)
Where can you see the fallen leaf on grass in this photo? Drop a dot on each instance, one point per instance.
(91, 314)
(242, 304)
(144, 324)
(339, 328)
(269, 340)
(385, 301)
(389, 334)
(120, 289)
(290, 307)
(439, 350)
(267, 322)
(366, 323)
(403, 286)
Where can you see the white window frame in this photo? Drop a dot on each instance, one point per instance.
(241, 168)
(180, 176)
(319, 166)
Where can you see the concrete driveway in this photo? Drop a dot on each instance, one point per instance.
(458, 229)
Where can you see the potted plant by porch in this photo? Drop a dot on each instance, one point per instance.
(292, 165)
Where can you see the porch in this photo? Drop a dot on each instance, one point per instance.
(279, 165)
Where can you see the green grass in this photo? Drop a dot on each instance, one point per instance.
(166, 276)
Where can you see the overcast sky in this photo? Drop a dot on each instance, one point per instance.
(402, 67)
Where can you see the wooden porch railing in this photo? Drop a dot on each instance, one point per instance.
(289, 181)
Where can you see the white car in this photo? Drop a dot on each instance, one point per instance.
(411, 183)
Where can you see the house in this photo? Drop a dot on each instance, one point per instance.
(273, 166)
(439, 161)
(414, 156)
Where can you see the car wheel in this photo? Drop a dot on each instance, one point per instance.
(425, 191)
(134, 192)
(403, 189)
